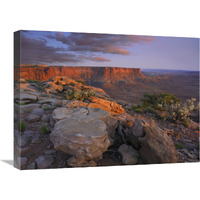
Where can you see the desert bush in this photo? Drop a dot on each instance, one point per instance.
(21, 126)
(32, 81)
(166, 107)
(45, 108)
(179, 146)
(80, 81)
(79, 95)
(44, 129)
(72, 84)
(159, 101)
(21, 103)
(180, 111)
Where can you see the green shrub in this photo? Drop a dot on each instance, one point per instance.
(159, 101)
(128, 108)
(44, 129)
(45, 108)
(186, 124)
(32, 81)
(137, 110)
(21, 103)
(79, 95)
(166, 106)
(21, 126)
(72, 84)
(80, 81)
(40, 88)
(70, 94)
(179, 146)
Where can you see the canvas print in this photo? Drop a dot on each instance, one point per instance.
(89, 99)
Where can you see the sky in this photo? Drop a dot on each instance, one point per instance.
(90, 49)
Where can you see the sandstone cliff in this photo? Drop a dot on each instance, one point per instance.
(102, 74)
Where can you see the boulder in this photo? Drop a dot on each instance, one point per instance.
(62, 113)
(89, 113)
(25, 97)
(29, 133)
(45, 118)
(138, 128)
(47, 100)
(126, 119)
(157, 146)
(83, 133)
(84, 138)
(33, 118)
(25, 108)
(37, 111)
(129, 154)
(23, 140)
(112, 107)
(44, 161)
(136, 131)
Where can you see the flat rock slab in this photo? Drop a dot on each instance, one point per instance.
(38, 111)
(25, 96)
(82, 138)
(26, 108)
(33, 118)
(82, 132)
(62, 113)
(89, 113)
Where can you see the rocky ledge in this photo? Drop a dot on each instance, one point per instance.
(65, 123)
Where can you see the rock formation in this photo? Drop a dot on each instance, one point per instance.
(81, 132)
(110, 74)
(156, 146)
(52, 131)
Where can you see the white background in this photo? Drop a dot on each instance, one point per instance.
(158, 18)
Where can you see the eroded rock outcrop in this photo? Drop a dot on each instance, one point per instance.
(111, 107)
(44, 73)
(157, 146)
(84, 133)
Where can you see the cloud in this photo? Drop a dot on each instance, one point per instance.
(101, 43)
(99, 59)
(36, 51)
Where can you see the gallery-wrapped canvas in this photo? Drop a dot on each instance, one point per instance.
(87, 99)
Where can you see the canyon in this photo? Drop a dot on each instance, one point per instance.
(88, 74)
(122, 84)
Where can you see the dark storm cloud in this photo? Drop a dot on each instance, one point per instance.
(102, 43)
(36, 51)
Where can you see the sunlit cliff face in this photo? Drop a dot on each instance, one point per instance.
(87, 73)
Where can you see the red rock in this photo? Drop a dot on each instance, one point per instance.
(112, 107)
(44, 73)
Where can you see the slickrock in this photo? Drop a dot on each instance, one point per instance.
(25, 98)
(83, 133)
(26, 108)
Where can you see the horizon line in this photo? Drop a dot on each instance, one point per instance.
(142, 68)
